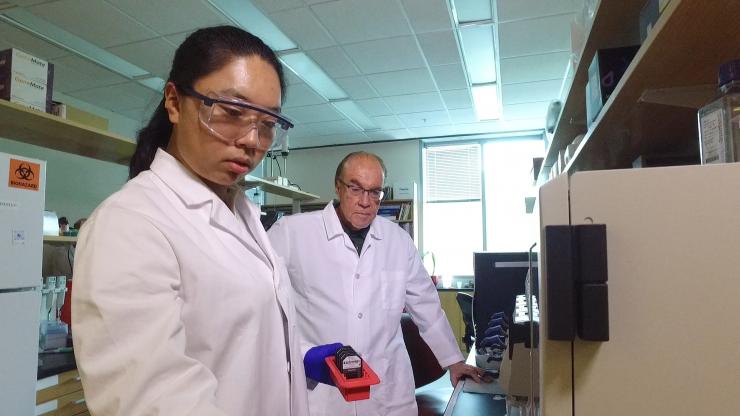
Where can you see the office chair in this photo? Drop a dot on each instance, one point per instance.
(423, 362)
(466, 307)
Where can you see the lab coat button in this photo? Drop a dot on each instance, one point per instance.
(357, 275)
(359, 315)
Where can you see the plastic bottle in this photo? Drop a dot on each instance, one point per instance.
(719, 121)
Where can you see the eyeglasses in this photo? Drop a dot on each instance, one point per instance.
(358, 191)
(231, 119)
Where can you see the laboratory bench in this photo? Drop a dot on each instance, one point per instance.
(439, 398)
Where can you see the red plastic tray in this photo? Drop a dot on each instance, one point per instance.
(353, 388)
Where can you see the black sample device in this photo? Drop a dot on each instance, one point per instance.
(348, 362)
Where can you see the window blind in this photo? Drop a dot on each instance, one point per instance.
(453, 173)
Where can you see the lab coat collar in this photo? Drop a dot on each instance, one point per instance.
(194, 193)
(188, 187)
(333, 226)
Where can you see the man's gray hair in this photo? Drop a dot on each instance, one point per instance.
(353, 155)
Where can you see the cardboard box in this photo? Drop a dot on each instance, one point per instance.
(26, 80)
(604, 73)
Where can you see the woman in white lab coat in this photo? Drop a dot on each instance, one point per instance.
(180, 306)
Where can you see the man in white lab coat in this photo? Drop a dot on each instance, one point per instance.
(353, 274)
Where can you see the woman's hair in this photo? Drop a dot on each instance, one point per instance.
(203, 52)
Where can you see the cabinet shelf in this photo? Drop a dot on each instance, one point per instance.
(273, 188)
(684, 50)
(60, 239)
(46, 130)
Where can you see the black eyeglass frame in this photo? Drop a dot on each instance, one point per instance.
(208, 101)
(369, 192)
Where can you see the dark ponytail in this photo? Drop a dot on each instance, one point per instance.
(203, 52)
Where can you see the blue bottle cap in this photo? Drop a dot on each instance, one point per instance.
(729, 71)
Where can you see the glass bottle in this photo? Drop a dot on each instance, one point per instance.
(719, 121)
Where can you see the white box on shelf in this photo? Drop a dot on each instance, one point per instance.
(404, 190)
(26, 80)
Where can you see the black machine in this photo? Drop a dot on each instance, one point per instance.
(499, 278)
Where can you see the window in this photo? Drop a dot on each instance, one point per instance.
(474, 200)
(453, 207)
(507, 166)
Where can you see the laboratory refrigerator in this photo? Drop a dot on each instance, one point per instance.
(22, 190)
(647, 323)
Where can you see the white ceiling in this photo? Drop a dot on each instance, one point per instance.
(399, 60)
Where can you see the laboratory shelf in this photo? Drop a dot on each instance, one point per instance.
(273, 188)
(653, 107)
(47, 130)
(59, 239)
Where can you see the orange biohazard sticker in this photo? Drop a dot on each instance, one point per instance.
(24, 175)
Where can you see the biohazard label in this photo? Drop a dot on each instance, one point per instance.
(24, 175)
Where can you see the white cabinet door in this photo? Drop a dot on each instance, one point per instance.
(673, 238)
(19, 323)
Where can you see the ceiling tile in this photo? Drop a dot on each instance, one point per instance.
(402, 82)
(375, 107)
(153, 55)
(177, 38)
(102, 25)
(171, 16)
(455, 99)
(301, 26)
(535, 36)
(314, 113)
(300, 131)
(332, 140)
(28, 43)
(26, 3)
(428, 15)
(386, 55)
(449, 77)
(527, 9)
(463, 115)
(388, 122)
(98, 74)
(528, 110)
(118, 97)
(435, 131)
(396, 134)
(334, 127)
(290, 77)
(530, 92)
(68, 79)
(352, 21)
(270, 6)
(534, 67)
(357, 87)
(301, 95)
(415, 103)
(428, 118)
(439, 47)
(334, 61)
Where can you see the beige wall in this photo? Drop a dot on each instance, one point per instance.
(313, 169)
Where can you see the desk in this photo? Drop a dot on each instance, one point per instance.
(463, 403)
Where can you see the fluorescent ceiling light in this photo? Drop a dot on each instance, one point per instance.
(353, 112)
(485, 99)
(472, 10)
(313, 75)
(63, 39)
(478, 52)
(245, 14)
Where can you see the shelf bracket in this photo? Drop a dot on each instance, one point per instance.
(693, 96)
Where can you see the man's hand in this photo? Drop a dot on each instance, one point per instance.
(460, 370)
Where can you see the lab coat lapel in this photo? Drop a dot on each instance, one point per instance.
(333, 227)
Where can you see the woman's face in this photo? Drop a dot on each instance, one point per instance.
(217, 161)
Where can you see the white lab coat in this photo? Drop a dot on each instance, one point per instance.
(180, 307)
(358, 300)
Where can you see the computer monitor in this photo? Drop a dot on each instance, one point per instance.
(499, 278)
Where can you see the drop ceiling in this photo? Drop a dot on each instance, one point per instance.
(400, 61)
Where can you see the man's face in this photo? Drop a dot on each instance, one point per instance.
(358, 209)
